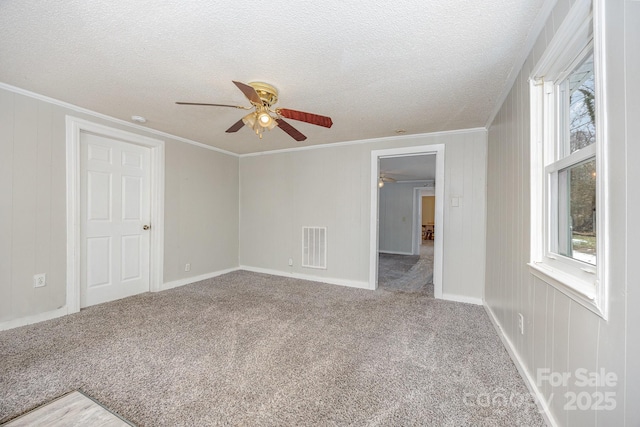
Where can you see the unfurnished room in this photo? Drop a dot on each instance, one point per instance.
(319, 213)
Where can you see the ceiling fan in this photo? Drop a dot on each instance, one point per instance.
(262, 97)
(384, 179)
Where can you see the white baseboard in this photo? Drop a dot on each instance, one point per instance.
(528, 380)
(328, 280)
(395, 253)
(63, 311)
(193, 279)
(462, 298)
(28, 320)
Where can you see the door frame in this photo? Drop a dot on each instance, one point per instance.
(438, 256)
(418, 194)
(74, 127)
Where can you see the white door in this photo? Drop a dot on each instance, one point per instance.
(115, 215)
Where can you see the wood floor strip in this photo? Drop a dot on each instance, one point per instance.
(73, 409)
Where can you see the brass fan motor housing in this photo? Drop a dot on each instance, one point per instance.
(267, 93)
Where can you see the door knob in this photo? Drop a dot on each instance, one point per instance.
(146, 227)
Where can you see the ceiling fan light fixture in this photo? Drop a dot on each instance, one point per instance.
(272, 124)
(383, 179)
(249, 120)
(265, 120)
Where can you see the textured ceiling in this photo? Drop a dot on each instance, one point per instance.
(373, 66)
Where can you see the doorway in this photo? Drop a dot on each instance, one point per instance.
(436, 150)
(115, 207)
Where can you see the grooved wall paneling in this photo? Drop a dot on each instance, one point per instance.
(330, 186)
(560, 335)
(201, 206)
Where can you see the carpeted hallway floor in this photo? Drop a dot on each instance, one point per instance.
(253, 349)
(409, 273)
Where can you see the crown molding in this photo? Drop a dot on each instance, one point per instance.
(129, 125)
(412, 137)
(105, 117)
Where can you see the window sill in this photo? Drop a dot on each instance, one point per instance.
(581, 291)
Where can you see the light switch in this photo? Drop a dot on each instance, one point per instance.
(455, 201)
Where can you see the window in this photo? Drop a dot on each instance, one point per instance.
(567, 239)
(572, 171)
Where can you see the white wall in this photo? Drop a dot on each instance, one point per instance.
(201, 211)
(561, 335)
(396, 202)
(630, 31)
(329, 186)
(201, 206)
(280, 193)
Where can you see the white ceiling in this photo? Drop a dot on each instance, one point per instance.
(373, 66)
(409, 168)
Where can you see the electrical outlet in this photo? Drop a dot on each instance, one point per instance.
(39, 280)
(187, 267)
(290, 262)
(521, 323)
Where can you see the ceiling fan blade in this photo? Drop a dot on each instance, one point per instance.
(249, 92)
(213, 105)
(293, 132)
(314, 119)
(236, 126)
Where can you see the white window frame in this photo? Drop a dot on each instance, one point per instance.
(573, 41)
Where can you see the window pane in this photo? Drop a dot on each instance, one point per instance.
(577, 211)
(582, 123)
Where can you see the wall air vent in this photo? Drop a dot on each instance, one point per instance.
(314, 247)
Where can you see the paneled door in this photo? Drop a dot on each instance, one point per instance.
(115, 215)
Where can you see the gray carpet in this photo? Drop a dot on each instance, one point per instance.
(407, 273)
(252, 349)
(391, 267)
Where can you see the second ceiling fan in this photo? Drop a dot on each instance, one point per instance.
(262, 97)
